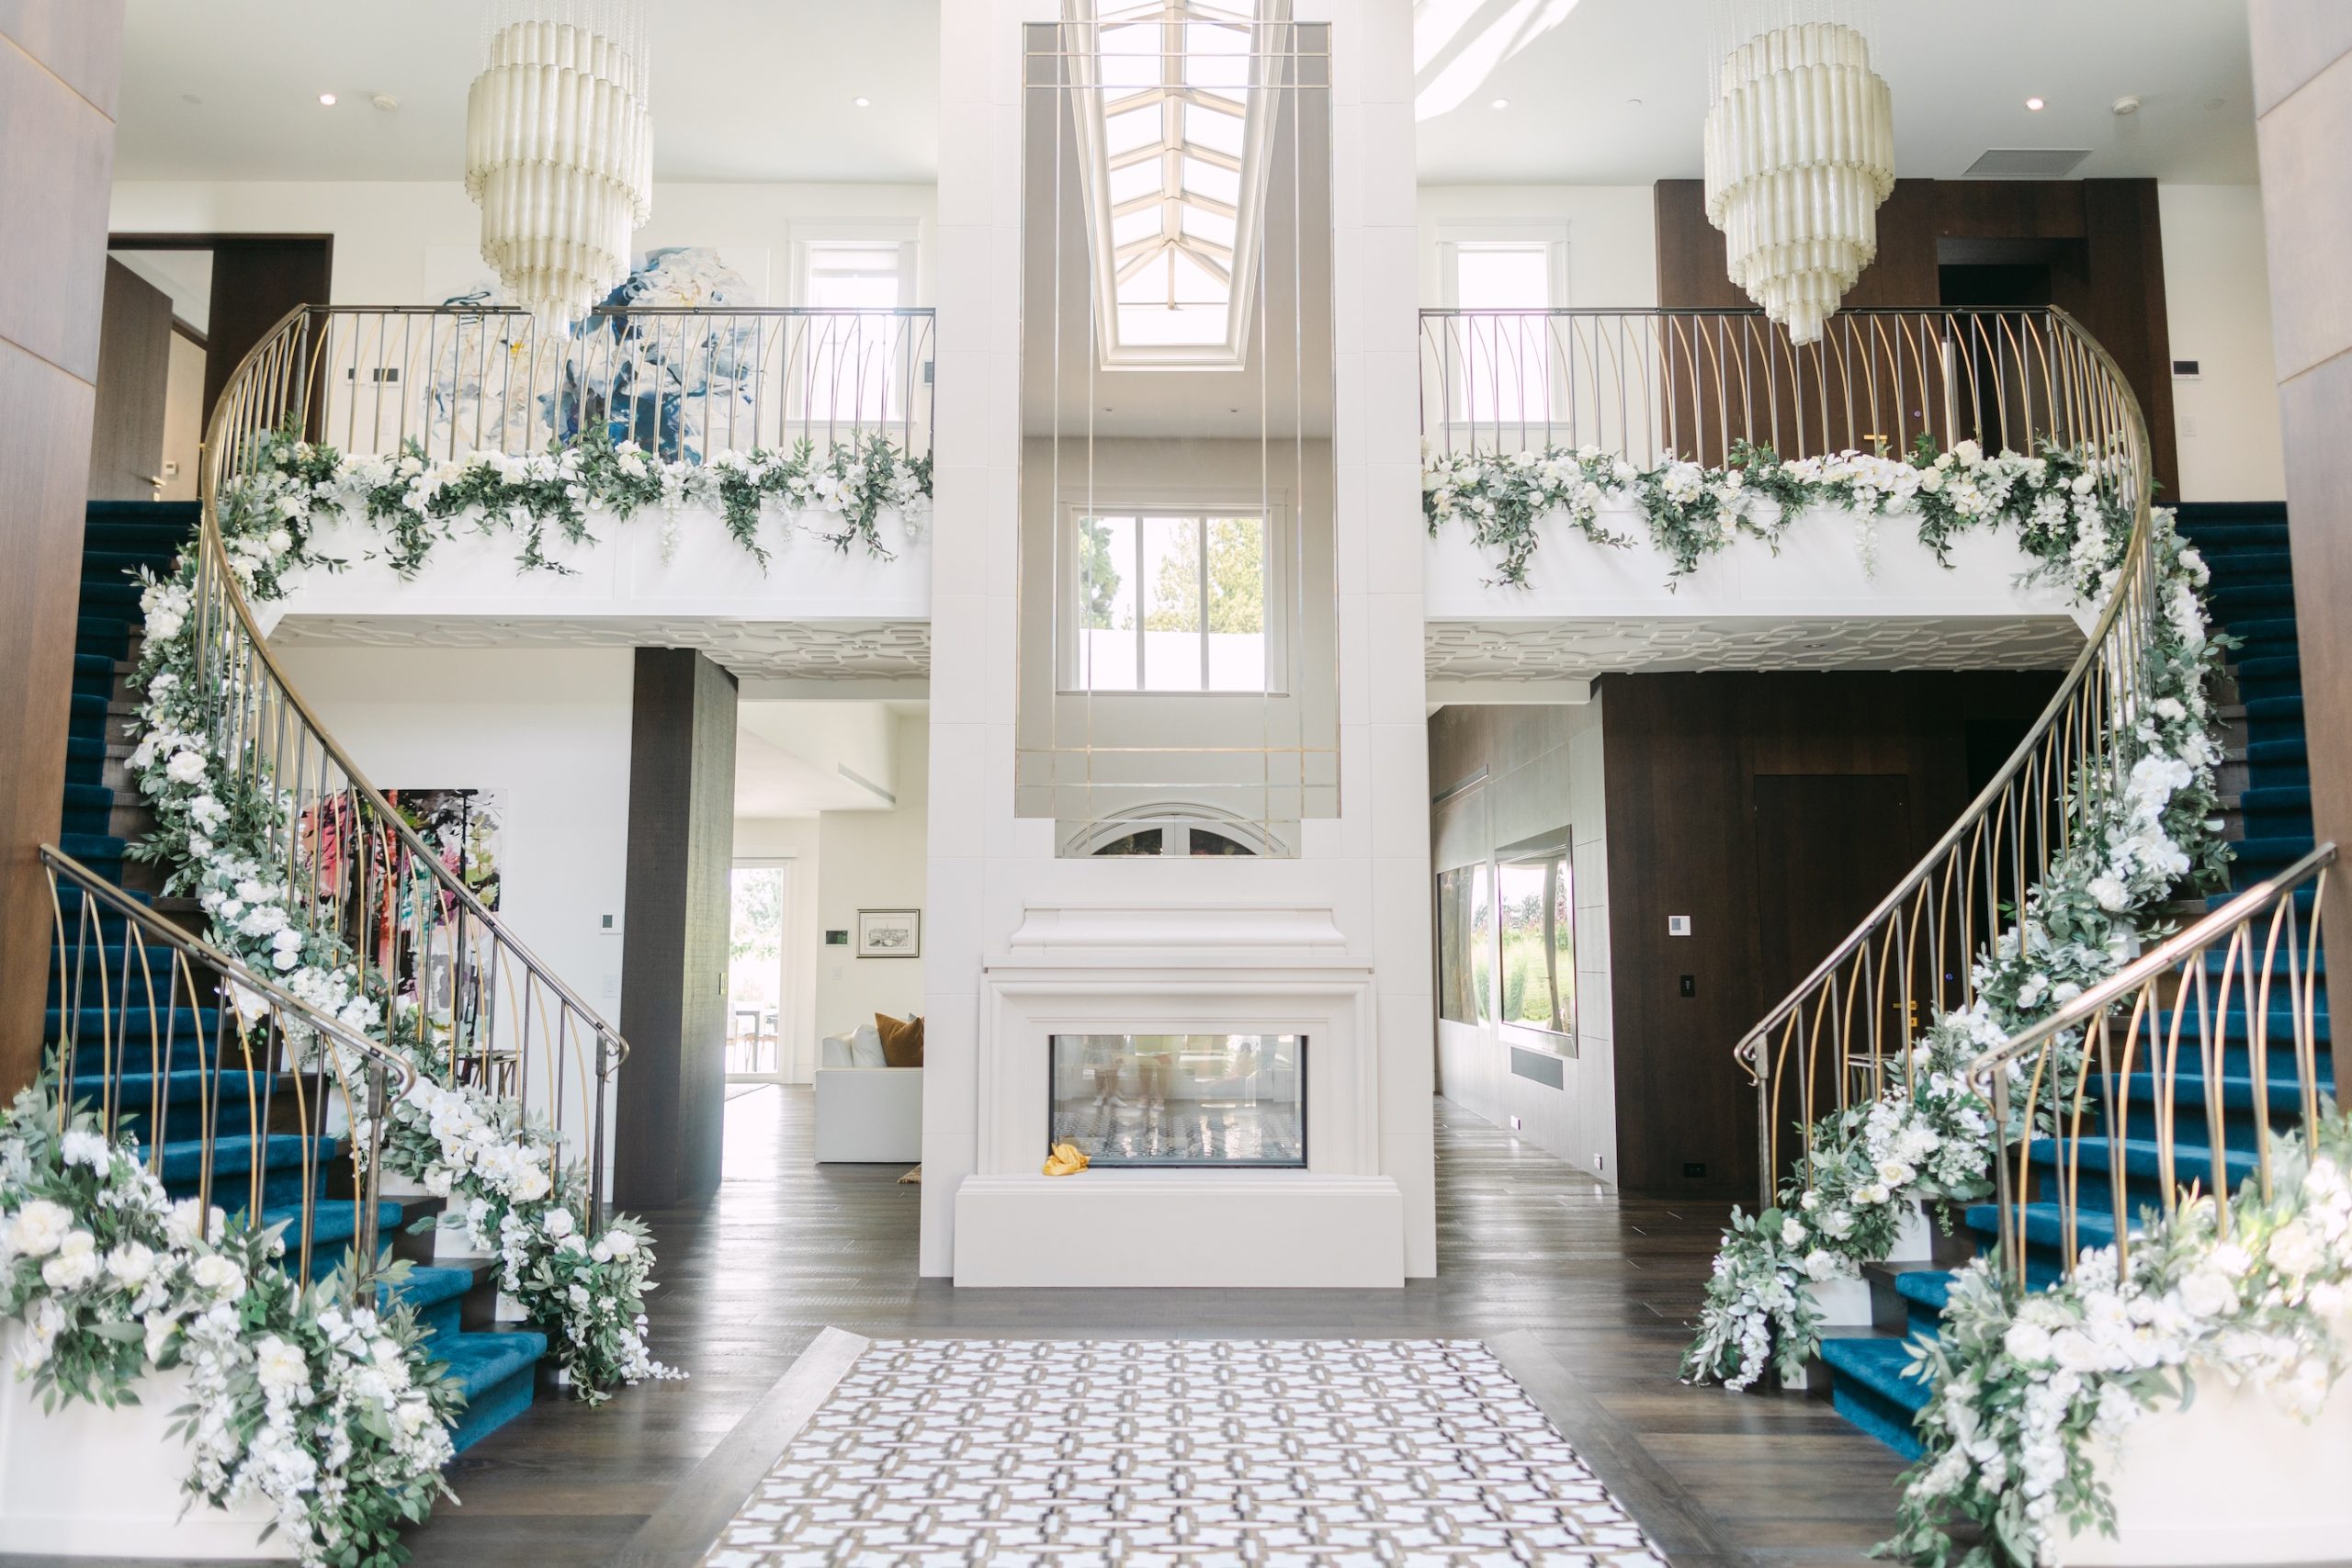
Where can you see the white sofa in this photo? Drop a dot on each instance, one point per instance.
(866, 1112)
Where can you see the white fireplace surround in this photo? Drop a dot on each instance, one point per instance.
(1162, 969)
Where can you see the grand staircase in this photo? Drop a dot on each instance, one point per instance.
(2265, 783)
(124, 1046)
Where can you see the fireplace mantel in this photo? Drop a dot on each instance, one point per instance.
(1109, 968)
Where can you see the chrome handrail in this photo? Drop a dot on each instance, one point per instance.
(238, 992)
(2077, 1042)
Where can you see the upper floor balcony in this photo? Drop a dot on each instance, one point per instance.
(1649, 390)
(503, 481)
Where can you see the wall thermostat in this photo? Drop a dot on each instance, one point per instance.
(837, 939)
(1678, 925)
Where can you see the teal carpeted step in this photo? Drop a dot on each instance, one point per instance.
(113, 566)
(282, 1175)
(85, 758)
(2188, 1088)
(2237, 599)
(103, 596)
(2247, 561)
(1870, 1386)
(334, 1225)
(92, 674)
(2276, 710)
(89, 808)
(497, 1371)
(139, 1022)
(2093, 1159)
(2042, 1233)
(2257, 858)
(1924, 1293)
(2281, 754)
(100, 852)
(87, 715)
(106, 635)
(436, 1293)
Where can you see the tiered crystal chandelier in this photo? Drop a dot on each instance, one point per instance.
(559, 148)
(1800, 153)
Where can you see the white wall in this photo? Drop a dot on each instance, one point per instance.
(874, 860)
(988, 866)
(793, 838)
(1611, 235)
(2217, 310)
(1544, 772)
(382, 228)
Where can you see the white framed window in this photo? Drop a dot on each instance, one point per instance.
(1172, 598)
(848, 368)
(1505, 368)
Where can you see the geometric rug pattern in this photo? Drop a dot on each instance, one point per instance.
(1143, 1454)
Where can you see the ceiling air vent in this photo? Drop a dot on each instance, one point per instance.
(2028, 163)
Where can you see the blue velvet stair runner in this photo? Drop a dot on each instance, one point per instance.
(2252, 597)
(496, 1370)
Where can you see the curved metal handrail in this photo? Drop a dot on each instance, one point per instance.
(2009, 796)
(2055, 1082)
(247, 992)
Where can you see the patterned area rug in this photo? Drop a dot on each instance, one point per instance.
(1281, 1454)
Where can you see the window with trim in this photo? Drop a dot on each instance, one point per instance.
(856, 368)
(1171, 600)
(1504, 367)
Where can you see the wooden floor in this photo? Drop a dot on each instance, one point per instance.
(1529, 1249)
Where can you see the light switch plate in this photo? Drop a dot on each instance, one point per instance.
(1678, 925)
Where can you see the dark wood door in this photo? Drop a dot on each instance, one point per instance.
(134, 372)
(255, 280)
(1829, 847)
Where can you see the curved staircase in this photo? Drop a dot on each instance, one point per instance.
(149, 1063)
(2266, 786)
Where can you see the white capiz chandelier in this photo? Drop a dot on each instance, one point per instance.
(559, 148)
(1799, 152)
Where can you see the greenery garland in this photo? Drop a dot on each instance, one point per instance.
(337, 1417)
(2028, 1394)
(416, 503)
(215, 829)
(1691, 512)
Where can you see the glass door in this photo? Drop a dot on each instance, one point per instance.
(757, 976)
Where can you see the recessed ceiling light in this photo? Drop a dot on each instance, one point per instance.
(2034, 104)
(863, 103)
(327, 98)
(1499, 103)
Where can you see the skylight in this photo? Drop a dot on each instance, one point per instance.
(1173, 127)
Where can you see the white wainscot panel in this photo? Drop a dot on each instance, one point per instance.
(1819, 570)
(85, 1481)
(620, 572)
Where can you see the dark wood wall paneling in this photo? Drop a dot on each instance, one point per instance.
(675, 939)
(1775, 810)
(256, 278)
(60, 68)
(134, 377)
(2101, 239)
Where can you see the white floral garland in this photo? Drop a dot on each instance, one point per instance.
(2027, 1394)
(336, 1417)
(213, 825)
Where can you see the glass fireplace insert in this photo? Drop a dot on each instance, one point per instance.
(1200, 1101)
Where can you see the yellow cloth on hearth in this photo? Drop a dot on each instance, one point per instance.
(1064, 1160)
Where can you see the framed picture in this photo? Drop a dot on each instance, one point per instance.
(889, 933)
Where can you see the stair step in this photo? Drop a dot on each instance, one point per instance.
(2044, 1229)
(498, 1370)
(2281, 754)
(434, 1291)
(334, 1225)
(89, 808)
(108, 635)
(106, 594)
(2196, 517)
(1870, 1387)
(2190, 1089)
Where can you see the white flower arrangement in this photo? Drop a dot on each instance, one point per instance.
(2026, 1392)
(338, 1418)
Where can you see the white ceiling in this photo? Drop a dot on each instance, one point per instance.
(1613, 92)
(742, 89)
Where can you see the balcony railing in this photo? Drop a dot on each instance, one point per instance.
(1648, 385)
(686, 384)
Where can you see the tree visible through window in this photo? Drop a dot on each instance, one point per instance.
(1171, 603)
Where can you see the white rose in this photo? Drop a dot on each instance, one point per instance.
(38, 1227)
(75, 1265)
(219, 1275)
(622, 1243)
(1791, 1233)
(186, 767)
(558, 1223)
(2294, 1251)
(131, 1264)
(279, 1365)
(2209, 1293)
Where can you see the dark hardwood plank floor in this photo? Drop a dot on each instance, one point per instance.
(1584, 1293)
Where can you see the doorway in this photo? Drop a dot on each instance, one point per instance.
(181, 311)
(759, 1000)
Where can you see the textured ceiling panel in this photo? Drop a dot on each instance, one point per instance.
(1578, 649)
(778, 650)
